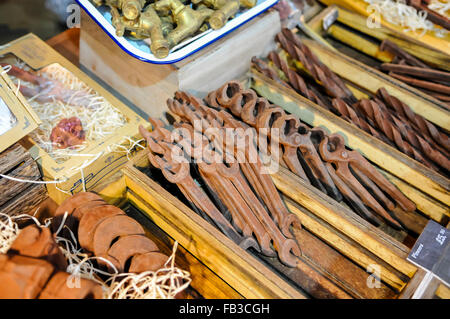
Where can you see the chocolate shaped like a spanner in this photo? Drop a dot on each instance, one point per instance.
(343, 158)
(290, 157)
(262, 183)
(253, 211)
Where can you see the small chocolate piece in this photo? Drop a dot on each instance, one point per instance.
(38, 242)
(129, 246)
(147, 262)
(112, 228)
(23, 277)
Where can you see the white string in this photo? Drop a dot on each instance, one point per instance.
(32, 182)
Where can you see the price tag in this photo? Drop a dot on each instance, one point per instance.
(432, 251)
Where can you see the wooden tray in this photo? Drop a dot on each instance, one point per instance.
(326, 223)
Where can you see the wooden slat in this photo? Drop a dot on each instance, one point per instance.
(408, 292)
(345, 221)
(11, 157)
(345, 246)
(443, 292)
(35, 194)
(240, 270)
(9, 189)
(385, 156)
(338, 269)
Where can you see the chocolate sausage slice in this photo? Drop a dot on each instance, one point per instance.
(75, 201)
(89, 222)
(148, 262)
(112, 228)
(129, 246)
(38, 242)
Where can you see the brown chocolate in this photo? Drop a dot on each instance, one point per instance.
(112, 228)
(88, 223)
(148, 262)
(129, 246)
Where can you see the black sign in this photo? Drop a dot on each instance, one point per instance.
(432, 251)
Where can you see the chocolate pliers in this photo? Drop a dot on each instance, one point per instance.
(299, 136)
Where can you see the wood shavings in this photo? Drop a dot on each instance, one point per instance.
(165, 283)
(9, 230)
(399, 13)
(441, 7)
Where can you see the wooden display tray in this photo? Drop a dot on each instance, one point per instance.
(335, 225)
(429, 46)
(37, 54)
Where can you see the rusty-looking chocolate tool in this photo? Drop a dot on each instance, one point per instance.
(405, 138)
(128, 246)
(112, 228)
(38, 242)
(417, 121)
(58, 288)
(332, 149)
(320, 72)
(317, 136)
(262, 183)
(89, 222)
(179, 173)
(253, 168)
(297, 136)
(387, 45)
(251, 209)
(45, 90)
(23, 277)
(296, 81)
(290, 157)
(151, 261)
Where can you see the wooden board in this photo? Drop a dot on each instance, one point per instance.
(429, 182)
(148, 86)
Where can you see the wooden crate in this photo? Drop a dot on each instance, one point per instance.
(331, 234)
(19, 197)
(148, 86)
